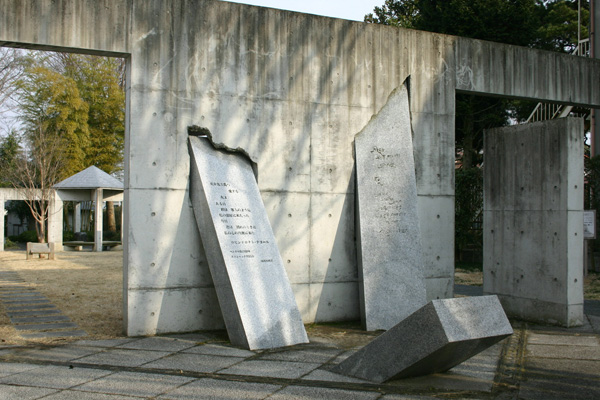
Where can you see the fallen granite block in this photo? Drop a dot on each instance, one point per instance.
(435, 338)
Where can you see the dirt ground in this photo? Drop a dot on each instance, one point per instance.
(88, 288)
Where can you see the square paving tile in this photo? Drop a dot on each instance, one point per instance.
(220, 350)
(201, 337)
(123, 357)
(53, 334)
(328, 376)
(158, 343)
(74, 395)
(306, 392)
(21, 295)
(194, 362)
(222, 390)
(54, 377)
(25, 301)
(571, 340)
(35, 306)
(564, 352)
(7, 369)
(103, 343)
(314, 355)
(135, 384)
(17, 314)
(62, 353)
(8, 392)
(49, 318)
(41, 327)
(275, 369)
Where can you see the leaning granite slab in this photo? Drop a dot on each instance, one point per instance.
(435, 338)
(256, 298)
(391, 279)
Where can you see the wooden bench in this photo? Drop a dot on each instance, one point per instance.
(39, 249)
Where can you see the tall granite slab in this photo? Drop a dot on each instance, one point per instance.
(391, 280)
(437, 337)
(254, 293)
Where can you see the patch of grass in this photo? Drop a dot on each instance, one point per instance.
(591, 286)
(9, 244)
(468, 266)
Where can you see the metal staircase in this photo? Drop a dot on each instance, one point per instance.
(546, 111)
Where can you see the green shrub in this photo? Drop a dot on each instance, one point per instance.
(9, 244)
(27, 236)
(68, 236)
(111, 236)
(469, 207)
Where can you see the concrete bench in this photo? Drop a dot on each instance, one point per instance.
(39, 249)
(77, 245)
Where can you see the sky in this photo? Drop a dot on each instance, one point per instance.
(345, 9)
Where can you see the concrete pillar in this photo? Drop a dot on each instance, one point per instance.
(55, 222)
(595, 53)
(533, 220)
(1, 224)
(122, 226)
(77, 217)
(98, 220)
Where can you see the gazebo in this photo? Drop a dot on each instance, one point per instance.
(90, 184)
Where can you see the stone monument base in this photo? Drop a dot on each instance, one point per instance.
(435, 338)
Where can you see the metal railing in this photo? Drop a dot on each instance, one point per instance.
(546, 111)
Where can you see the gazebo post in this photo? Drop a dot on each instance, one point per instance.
(55, 221)
(77, 217)
(98, 220)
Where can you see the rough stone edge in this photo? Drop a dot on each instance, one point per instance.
(405, 83)
(199, 131)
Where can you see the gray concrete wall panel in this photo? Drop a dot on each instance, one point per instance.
(292, 90)
(84, 26)
(163, 311)
(533, 220)
(486, 67)
(336, 301)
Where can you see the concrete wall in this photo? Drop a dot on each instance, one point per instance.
(533, 220)
(54, 233)
(292, 90)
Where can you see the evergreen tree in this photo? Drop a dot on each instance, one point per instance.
(52, 103)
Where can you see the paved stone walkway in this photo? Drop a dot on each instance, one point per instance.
(535, 363)
(31, 313)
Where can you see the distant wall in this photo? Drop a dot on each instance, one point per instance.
(292, 90)
(533, 220)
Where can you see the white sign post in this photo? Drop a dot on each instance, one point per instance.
(589, 233)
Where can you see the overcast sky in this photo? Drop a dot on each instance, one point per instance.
(345, 9)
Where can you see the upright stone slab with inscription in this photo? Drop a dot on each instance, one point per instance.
(254, 293)
(389, 240)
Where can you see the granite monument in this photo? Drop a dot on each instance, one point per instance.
(255, 296)
(391, 281)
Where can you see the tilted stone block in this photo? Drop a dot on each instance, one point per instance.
(255, 295)
(390, 258)
(435, 338)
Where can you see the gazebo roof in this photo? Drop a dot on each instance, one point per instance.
(90, 178)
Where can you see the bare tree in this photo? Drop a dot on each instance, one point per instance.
(11, 69)
(36, 172)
